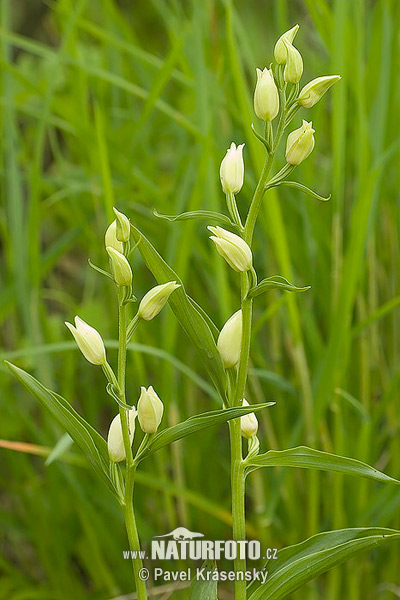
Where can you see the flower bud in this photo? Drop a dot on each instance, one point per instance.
(231, 171)
(313, 91)
(294, 65)
(155, 300)
(280, 51)
(123, 226)
(248, 423)
(120, 267)
(300, 143)
(89, 341)
(115, 440)
(266, 97)
(150, 410)
(233, 248)
(230, 340)
(110, 238)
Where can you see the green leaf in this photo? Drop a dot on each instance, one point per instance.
(63, 444)
(276, 281)
(197, 423)
(186, 312)
(207, 215)
(92, 444)
(204, 590)
(309, 458)
(296, 565)
(301, 188)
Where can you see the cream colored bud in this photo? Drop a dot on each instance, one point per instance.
(89, 341)
(115, 440)
(313, 91)
(248, 423)
(155, 300)
(233, 248)
(266, 97)
(150, 410)
(110, 238)
(300, 143)
(280, 51)
(230, 340)
(123, 228)
(231, 171)
(120, 267)
(294, 65)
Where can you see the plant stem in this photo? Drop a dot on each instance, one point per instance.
(238, 501)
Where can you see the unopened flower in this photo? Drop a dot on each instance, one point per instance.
(294, 65)
(89, 341)
(155, 300)
(280, 51)
(150, 410)
(233, 248)
(300, 143)
(231, 171)
(248, 423)
(110, 238)
(313, 91)
(230, 340)
(120, 267)
(266, 97)
(115, 440)
(123, 226)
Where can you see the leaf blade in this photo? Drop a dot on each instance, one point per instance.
(275, 282)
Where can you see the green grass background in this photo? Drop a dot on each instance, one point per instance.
(133, 104)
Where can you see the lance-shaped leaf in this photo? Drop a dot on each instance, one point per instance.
(309, 458)
(301, 188)
(207, 215)
(275, 282)
(92, 444)
(204, 589)
(296, 565)
(189, 317)
(197, 423)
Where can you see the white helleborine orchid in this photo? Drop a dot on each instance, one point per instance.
(150, 410)
(266, 97)
(115, 440)
(110, 238)
(123, 226)
(120, 267)
(155, 300)
(300, 143)
(231, 171)
(280, 51)
(230, 340)
(89, 341)
(294, 65)
(233, 248)
(248, 423)
(313, 91)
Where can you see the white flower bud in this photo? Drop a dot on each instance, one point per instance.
(230, 340)
(280, 51)
(89, 341)
(248, 423)
(294, 65)
(115, 440)
(155, 300)
(110, 238)
(231, 171)
(300, 143)
(150, 410)
(233, 248)
(123, 226)
(120, 267)
(313, 91)
(266, 97)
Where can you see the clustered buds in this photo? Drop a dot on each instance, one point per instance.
(123, 226)
(120, 267)
(155, 300)
(294, 64)
(233, 248)
(89, 341)
(300, 143)
(230, 340)
(115, 440)
(231, 171)
(280, 51)
(313, 91)
(248, 423)
(150, 410)
(266, 97)
(111, 240)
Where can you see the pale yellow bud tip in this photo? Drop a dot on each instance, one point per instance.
(123, 226)
(155, 300)
(248, 423)
(150, 410)
(120, 267)
(89, 341)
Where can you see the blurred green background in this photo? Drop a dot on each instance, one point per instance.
(133, 104)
